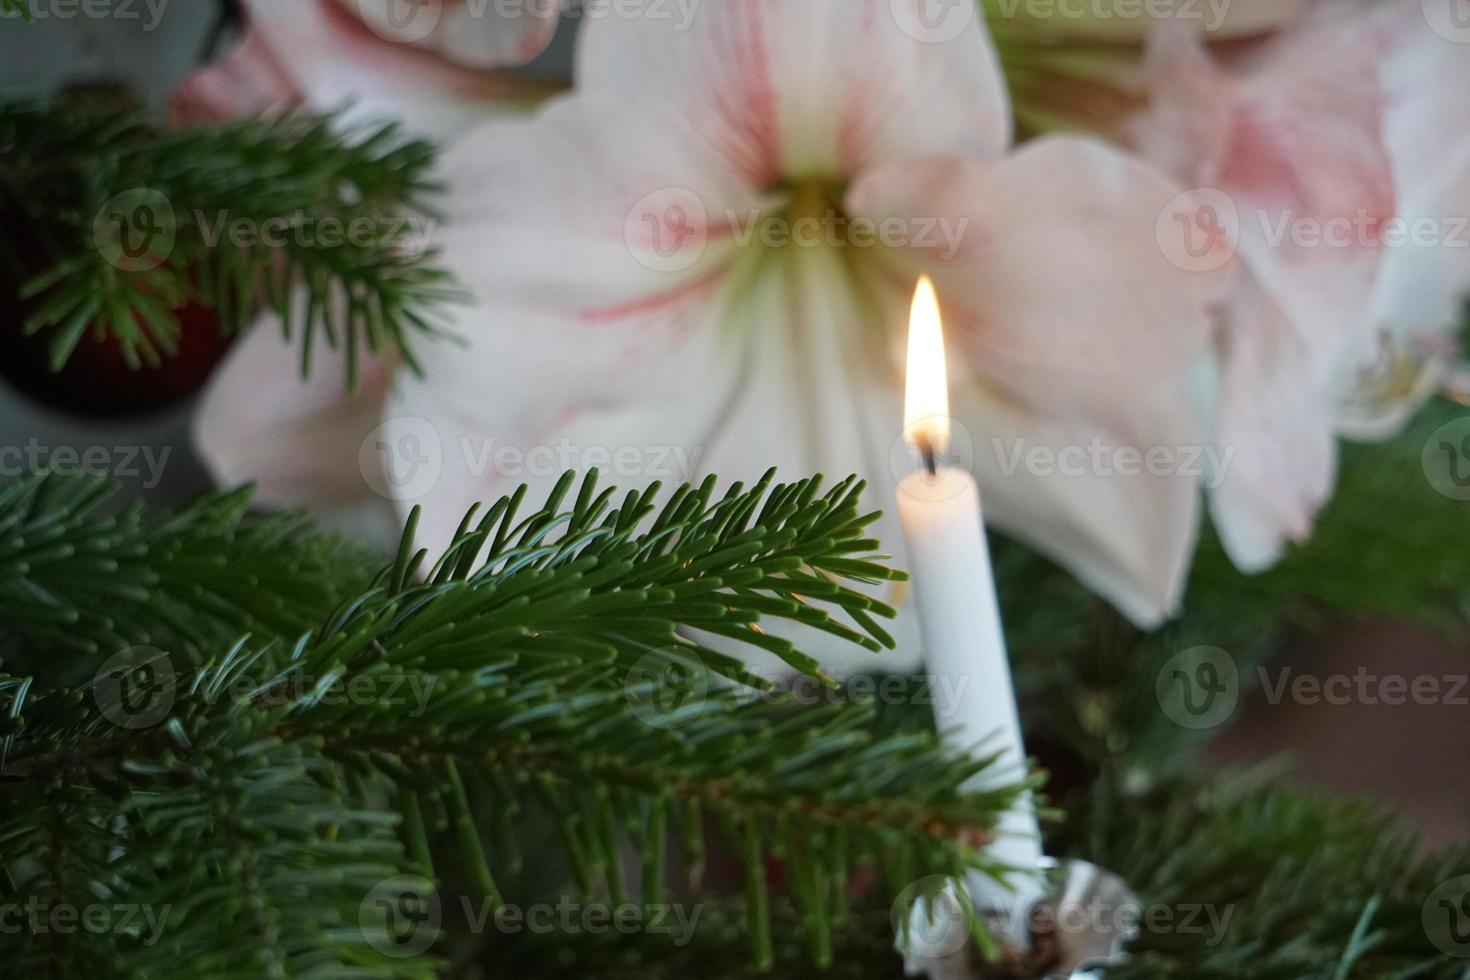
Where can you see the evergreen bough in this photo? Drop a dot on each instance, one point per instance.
(266, 803)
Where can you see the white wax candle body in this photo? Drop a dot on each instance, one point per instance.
(964, 648)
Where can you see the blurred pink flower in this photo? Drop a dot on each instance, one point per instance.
(1424, 282)
(644, 298)
(1080, 66)
(1288, 147)
(422, 62)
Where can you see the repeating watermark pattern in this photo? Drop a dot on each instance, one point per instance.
(1199, 230)
(1211, 14)
(567, 916)
(404, 459)
(934, 21)
(414, 21)
(670, 230)
(1446, 459)
(410, 235)
(41, 917)
(403, 916)
(665, 690)
(135, 688)
(1199, 688)
(148, 13)
(1450, 19)
(138, 230)
(1202, 230)
(930, 919)
(1446, 917)
(125, 462)
(1208, 464)
(955, 462)
(1363, 687)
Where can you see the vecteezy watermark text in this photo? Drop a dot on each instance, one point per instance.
(414, 21)
(405, 457)
(1209, 464)
(1210, 13)
(38, 917)
(150, 12)
(136, 689)
(402, 917)
(125, 462)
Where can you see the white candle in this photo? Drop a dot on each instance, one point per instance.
(959, 619)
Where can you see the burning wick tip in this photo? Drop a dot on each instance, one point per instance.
(927, 453)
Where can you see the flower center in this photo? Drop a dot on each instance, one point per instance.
(812, 217)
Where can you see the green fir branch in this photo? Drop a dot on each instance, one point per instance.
(549, 681)
(81, 580)
(1281, 884)
(119, 226)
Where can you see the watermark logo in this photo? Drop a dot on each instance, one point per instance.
(38, 916)
(135, 688)
(929, 919)
(1447, 459)
(1446, 917)
(954, 466)
(1199, 231)
(401, 21)
(401, 916)
(934, 21)
(136, 231)
(1199, 688)
(402, 459)
(664, 690)
(1450, 19)
(668, 230)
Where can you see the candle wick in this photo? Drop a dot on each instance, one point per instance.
(928, 454)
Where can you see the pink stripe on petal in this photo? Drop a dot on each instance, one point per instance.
(668, 301)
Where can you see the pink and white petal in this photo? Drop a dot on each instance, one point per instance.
(1275, 428)
(470, 33)
(335, 59)
(474, 429)
(1127, 526)
(1426, 280)
(1053, 275)
(821, 393)
(1068, 311)
(821, 88)
(1187, 129)
(298, 439)
(578, 326)
(247, 81)
(577, 278)
(1294, 141)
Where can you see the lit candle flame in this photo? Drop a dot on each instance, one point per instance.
(926, 403)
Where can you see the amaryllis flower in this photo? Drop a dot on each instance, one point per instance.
(1290, 148)
(701, 262)
(1424, 282)
(423, 61)
(1079, 65)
